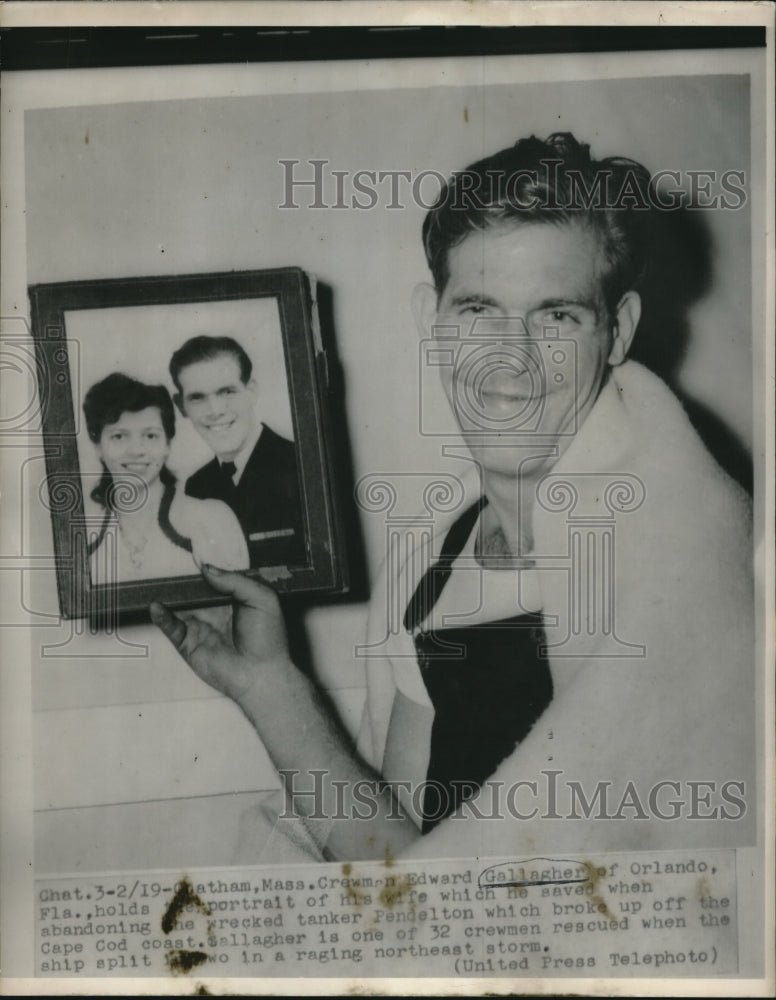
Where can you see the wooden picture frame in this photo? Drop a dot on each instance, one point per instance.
(85, 331)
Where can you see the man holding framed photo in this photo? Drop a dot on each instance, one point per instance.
(254, 469)
(580, 694)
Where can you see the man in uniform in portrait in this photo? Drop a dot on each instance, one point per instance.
(254, 469)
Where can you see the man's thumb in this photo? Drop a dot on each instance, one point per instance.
(241, 588)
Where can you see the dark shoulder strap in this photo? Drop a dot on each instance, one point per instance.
(164, 519)
(433, 581)
(97, 542)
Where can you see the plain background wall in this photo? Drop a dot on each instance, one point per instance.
(191, 186)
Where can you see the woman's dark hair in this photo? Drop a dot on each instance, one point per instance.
(116, 394)
(554, 182)
(104, 404)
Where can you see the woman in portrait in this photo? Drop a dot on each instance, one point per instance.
(159, 531)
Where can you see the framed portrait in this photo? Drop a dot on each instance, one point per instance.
(183, 421)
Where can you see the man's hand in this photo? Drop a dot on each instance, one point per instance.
(230, 659)
(249, 662)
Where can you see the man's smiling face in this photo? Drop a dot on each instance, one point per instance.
(218, 403)
(525, 287)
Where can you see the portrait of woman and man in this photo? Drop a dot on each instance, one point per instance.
(239, 510)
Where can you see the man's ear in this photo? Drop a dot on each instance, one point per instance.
(252, 386)
(424, 308)
(178, 400)
(625, 323)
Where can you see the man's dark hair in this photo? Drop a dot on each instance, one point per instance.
(204, 348)
(552, 182)
(116, 394)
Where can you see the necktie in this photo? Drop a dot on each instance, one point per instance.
(228, 470)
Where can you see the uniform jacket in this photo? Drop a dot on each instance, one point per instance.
(266, 499)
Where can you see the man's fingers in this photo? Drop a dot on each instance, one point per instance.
(170, 624)
(218, 617)
(244, 590)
